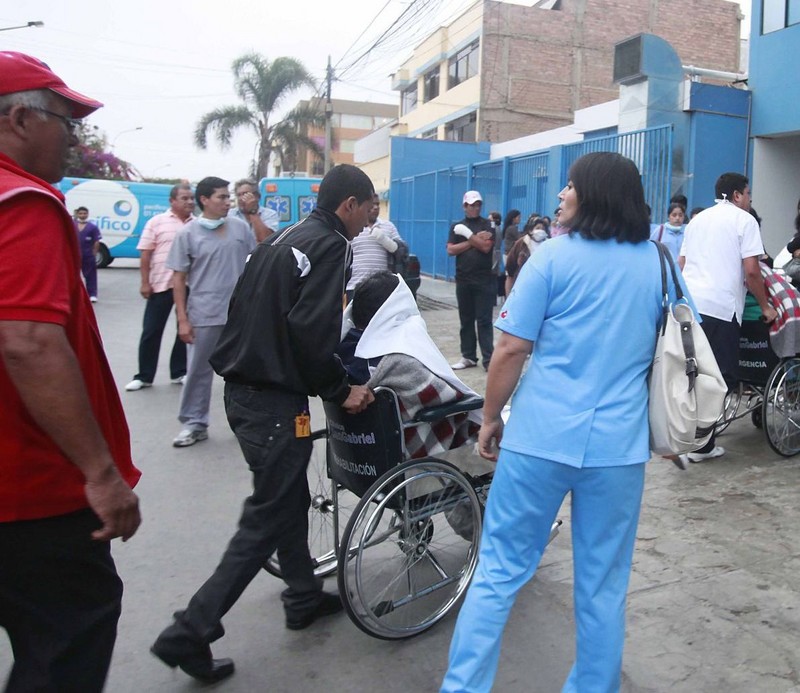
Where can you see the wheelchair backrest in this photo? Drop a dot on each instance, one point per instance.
(363, 446)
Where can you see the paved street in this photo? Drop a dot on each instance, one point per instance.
(714, 602)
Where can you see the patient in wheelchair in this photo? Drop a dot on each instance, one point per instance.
(385, 343)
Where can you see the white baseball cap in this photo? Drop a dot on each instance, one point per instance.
(471, 197)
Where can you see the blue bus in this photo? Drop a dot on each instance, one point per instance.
(122, 208)
(119, 208)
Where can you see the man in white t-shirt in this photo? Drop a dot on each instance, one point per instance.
(719, 256)
(375, 248)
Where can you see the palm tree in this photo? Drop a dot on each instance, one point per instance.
(290, 135)
(262, 86)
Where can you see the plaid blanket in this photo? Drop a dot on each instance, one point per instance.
(418, 388)
(784, 332)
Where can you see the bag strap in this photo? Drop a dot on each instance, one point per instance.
(664, 290)
(687, 341)
(660, 232)
(688, 351)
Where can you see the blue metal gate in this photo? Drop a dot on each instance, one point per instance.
(425, 206)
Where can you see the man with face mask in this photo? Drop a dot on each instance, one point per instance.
(207, 255)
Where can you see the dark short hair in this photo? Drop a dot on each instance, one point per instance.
(797, 219)
(510, 216)
(370, 294)
(173, 193)
(610, 198)
(207, 186)
(81, 209)
(341, 182)
(676, 205)
(245, 181)
(681, 200)
(695, 210)
(728, 183)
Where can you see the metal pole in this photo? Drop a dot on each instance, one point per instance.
(328, 116)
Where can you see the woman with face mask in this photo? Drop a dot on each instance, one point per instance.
(671, 232)
(533, 235)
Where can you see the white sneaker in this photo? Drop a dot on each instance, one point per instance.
(93, 299)
(718, 451)
(180, 380)
(137, 384)
(189, 437)
(463, 363)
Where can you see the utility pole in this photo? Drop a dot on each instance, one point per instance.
(328, 116)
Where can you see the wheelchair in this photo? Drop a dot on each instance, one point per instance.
(401, 534)
(768, 391)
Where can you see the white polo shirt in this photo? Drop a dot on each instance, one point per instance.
(716, 242)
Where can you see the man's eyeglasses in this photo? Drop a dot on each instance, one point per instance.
(72, 124)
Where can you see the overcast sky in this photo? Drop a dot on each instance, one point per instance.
(160, 65)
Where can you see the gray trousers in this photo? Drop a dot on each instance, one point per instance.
(196, 391)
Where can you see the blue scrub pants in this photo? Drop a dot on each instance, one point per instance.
(525, 496)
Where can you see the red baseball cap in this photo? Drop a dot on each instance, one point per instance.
(20, 72)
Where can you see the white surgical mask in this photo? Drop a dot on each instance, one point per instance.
(210, 224)
(539, 235)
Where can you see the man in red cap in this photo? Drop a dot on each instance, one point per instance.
(65, 462)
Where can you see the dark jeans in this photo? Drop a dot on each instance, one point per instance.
(475, 305)
(723, 337)
(156, 314)
(89, 269)
(274, 518)
(60, 600)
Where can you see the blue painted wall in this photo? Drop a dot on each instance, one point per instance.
(411, 156)
(774, 60)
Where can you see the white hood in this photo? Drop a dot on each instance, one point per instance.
(398, 328)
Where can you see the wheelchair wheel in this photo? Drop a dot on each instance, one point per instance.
(331, 507)
(781, 408)
(729, 409)
(410, 548)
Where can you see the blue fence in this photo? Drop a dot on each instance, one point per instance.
(425, 206)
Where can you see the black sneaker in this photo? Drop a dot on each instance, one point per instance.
(329, 604)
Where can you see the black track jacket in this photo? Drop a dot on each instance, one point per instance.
(285, 315)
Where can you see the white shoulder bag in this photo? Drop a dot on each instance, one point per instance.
(687, 390)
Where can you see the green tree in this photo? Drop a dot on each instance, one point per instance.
(90, 158)
(290, 135)
(262, 86)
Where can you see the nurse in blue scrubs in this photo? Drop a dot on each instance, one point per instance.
(587, 306)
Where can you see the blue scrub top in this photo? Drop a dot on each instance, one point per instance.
(592, 309)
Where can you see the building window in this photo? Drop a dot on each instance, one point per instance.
(463, 129)
(463, 65)
(429, 135)
(778, 14)
(357, 122)
(408, 99)
(431, 85)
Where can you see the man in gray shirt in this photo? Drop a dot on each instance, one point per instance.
(207, 256)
